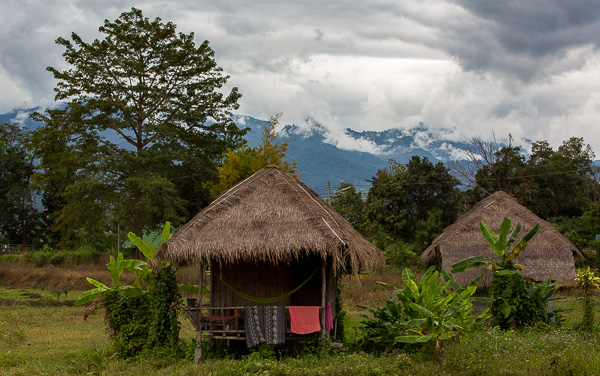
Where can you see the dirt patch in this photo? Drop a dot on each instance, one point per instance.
(32, 295)
(36, 303)
(52, 277)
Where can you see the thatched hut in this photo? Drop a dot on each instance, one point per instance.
(262, 239)
(549, 255)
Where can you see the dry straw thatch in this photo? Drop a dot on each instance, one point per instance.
(549, 255)
(271, 216)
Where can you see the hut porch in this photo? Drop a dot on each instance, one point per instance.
(233, 287)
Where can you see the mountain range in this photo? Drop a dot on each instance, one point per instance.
(321, 161)
(322, 158)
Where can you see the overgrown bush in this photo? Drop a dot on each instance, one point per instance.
(148, 320)
(49, 256)
(517, 304)
(398, 254)
(128, 319)
(165, 302)
(514, 304)
(427, 311)
(591, 254)
(587, 281)
(140, 319)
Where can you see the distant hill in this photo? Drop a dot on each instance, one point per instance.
(320, 161)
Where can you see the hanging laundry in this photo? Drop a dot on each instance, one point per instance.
(304, 319)
(274, 329)
(328, 317)
(254, 334)
(265, 325)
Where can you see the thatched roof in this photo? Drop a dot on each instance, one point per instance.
(271, 216)
(549, 255)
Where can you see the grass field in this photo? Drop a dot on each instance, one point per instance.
(42, 333)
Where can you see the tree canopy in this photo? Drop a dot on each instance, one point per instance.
(239, 164)
(20, 221)
(413, 201)
(143, 127)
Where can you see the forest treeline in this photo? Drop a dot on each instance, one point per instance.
(409, 204)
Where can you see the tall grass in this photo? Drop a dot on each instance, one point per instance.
(56, 340)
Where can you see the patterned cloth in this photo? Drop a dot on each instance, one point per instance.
(254, 334)
(275, 325)
(265, 325)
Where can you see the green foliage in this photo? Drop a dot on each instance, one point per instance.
(144, 108)
(413, 201)
(340, 311)
(97, 360)
(583, 229)
(559, 182)
(165, 303)
(147, 320)
(516, 305)
(502, 245)
(350, 204)
(398, 254)
(128, 318)
(240, 164)
(587, 281)
(140, 319)
(20, 222)
(426, 311)
(49, 256)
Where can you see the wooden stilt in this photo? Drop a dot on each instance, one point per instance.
(198, 349)
(324, 331)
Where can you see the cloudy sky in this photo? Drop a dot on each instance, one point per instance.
(528, 68)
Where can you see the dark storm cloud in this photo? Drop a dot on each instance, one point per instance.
(521, 37)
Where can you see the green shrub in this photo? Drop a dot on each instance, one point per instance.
(587, 281)
(516, 305)
(49, 256)
(38, 258)
(165, 302)
(128, 319)
(427, 311)
(13, 259)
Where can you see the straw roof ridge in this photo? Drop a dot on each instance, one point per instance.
(270, 216)
(549, 255)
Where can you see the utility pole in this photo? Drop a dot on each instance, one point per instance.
(328, 192)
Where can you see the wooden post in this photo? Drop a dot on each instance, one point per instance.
(210, 299)
(323, 298)
(198, 350)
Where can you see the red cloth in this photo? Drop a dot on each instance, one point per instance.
(304, 320)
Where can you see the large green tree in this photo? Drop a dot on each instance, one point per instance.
(143, 127)
(413, 202)
(20, 221)
(559, 183)
(350, 203)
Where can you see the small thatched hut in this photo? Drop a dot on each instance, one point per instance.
(262, 239)
(549, 255)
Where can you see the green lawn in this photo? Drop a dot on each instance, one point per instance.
(55, 340)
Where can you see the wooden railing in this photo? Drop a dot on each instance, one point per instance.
(223, 322)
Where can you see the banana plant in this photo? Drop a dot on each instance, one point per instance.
(501, 244)
(423, 311)
(140, 268)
